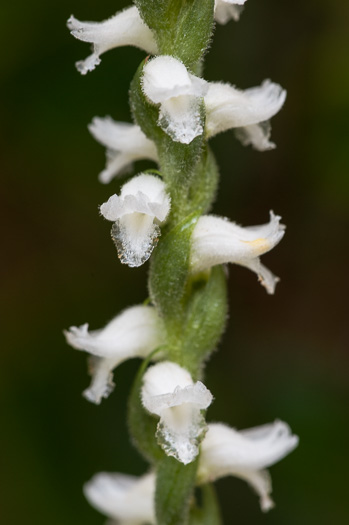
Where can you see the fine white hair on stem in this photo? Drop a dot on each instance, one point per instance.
(166, 81)
(169, 392)
(245, 454)
(126, 28)
(143, 205)
(248, 111)
(135, 332)
(216, 240)
(125, 144)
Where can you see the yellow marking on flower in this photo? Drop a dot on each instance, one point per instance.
(260, 245)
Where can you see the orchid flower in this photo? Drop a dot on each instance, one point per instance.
(143, 205)
(127, 500)
(126, 28)
(136, 332)
(166, 81)
(169, 392)
(245, 454)
(248, 112)
(125, 144)
(216, 240)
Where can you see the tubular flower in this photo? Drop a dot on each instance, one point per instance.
(127, 500)
(226, 10)
(125, 144)
(169, 392)
(245, 454)
(215, 240)
(247, 111)
(136, 332)
(126, 28)
(167, 82)
(143, 205)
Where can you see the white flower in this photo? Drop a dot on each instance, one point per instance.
(248, 111)
(136, 332)
(125, 143)
(170, 393)
(142, 205)
(225, 10)
(167, 82)
(126, 28)
(215, 240)
(245, 454)
(127, 500)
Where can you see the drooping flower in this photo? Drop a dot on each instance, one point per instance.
(245, 454)
(125, 144)
(169, 392)
(127, 500)
(126, 28)
(216, 240)
(226, 10)
(166, 81)
(248, 112)
(143, 205)
(136, 332)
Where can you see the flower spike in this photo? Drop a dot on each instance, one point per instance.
(215, 240)
(245, 454)
(126, 28)
(170, 393)
(247, 111)
(226, 10)
(125, 144)
(142, 205)
(136, 332)
(167, 82)
(125, 499)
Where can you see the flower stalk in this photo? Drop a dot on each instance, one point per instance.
(163, 216)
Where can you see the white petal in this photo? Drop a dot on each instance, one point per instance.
(215, 240)
(226, 10)
(167, 81)
(135, 236)
(143, 203)
(126, 28)
(102, 384)
(125, 144)
(256, 135)
(228, 107)
(165, 77)
(169, 392)
(136, 332)
(245, 454)
(126, 499)
(180, 118)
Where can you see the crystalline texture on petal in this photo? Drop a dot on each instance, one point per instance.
(125, 144)
(215, 240)
(169, 392)
(126, 28)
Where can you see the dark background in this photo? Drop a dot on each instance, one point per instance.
(282, 357)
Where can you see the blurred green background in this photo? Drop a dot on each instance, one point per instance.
(282, 357)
